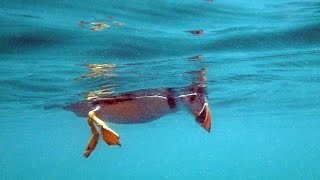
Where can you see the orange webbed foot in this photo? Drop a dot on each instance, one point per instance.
(110, 137)
(93, 140)
(91, 145)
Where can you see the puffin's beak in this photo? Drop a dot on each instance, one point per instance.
(204, 119)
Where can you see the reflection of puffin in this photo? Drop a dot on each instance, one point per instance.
(139, 107)
(197, 31)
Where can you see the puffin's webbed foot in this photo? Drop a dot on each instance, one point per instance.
(108, 135)
(93, 140)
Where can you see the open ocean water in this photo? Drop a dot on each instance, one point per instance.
(262, 63)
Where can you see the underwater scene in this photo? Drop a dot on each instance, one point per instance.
(171, 89)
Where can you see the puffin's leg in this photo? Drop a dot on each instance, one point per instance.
(108, 135)
(93, 140)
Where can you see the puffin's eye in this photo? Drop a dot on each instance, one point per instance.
(192, 99)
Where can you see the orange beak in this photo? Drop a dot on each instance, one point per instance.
(204, 119)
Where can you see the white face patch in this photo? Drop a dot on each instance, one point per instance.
(203, 107)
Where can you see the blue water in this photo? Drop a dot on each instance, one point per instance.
(262, 62)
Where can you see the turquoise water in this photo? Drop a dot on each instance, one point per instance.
(263, 80)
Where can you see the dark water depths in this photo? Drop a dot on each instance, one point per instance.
(262, 73)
